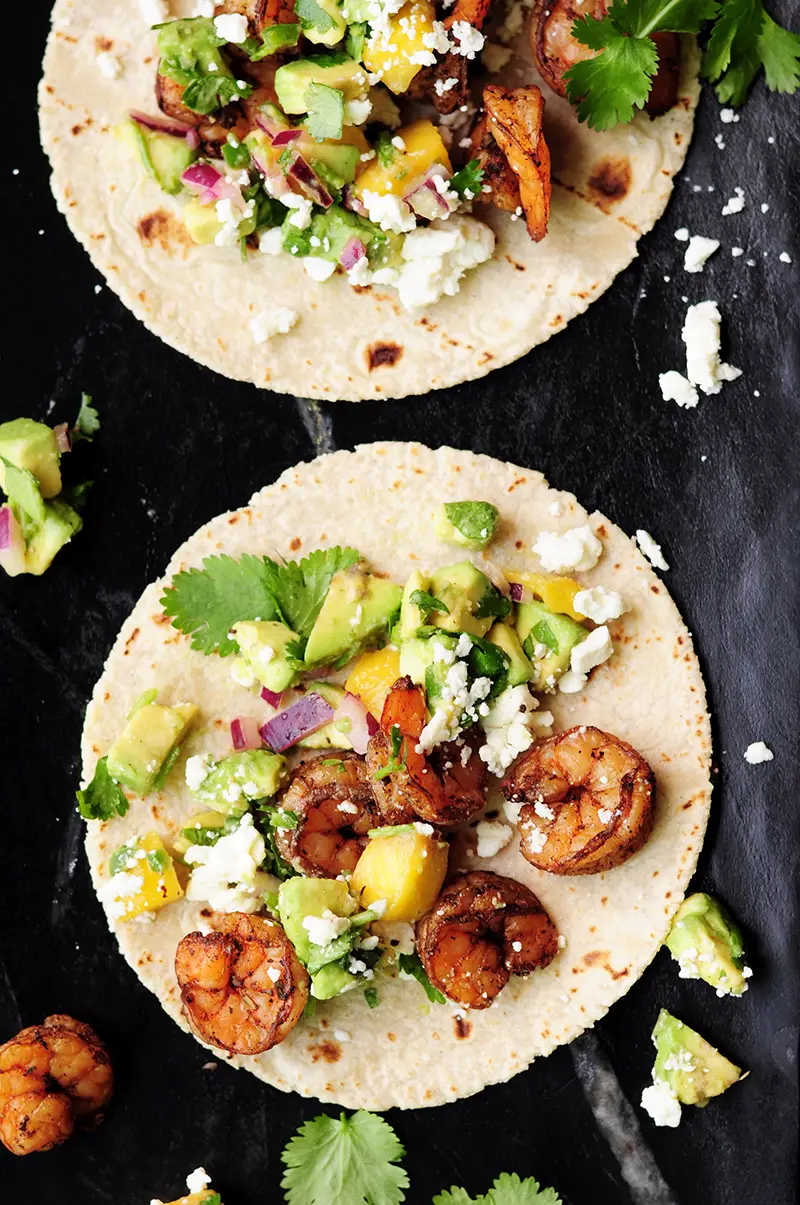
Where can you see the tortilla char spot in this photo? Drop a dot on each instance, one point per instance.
(485, 358)
(610, 182)
(295, 544)
(392, 1037)
(162, 228)
(206, 912)
(514, 264)
(131, 639)
(462, 1026)
(79, 129)
(102, 45)
(383, 355)
(678, 137)
(233, 519)
(327, 1050)
(602, 532)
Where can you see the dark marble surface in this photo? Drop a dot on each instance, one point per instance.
(717, 486)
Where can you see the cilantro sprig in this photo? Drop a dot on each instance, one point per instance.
(427, 602)
(609, 87)
(103, 798)
(506, 1190)
(411, 966)
(468, 182)
(325, 106)
(349, 1160)
(395, 762)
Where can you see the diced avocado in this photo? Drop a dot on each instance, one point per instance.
(708, 945)
(59, 526)
(357, 611)
(329, 233)
(341, 160)
(264, 645)
(357, 10)
(189, 47)
(235, 782)
(336, 70)
(299, 898)
(32, 446)
(412, 617)
(331, 980)
(519, 667)
(558, 634)
(165, 156)
(147, 743)
(416, 656)
(473, 602)
(204, 828)
(333, 735)
(694, 1070)
(201, 221)
(470, 524)
(336, 26)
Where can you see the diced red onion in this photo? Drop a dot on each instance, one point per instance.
(209, 184)
(352, 252)
(161, 123)
(63, 441)
(192, 139)
(308, 181)
(245, 734)
(268, 124)
(372, 723)
(284, 137)
(276, 183)
(12, 543)
(270, 696)
(425, 198)
(300, 720)
(6, 519)
(516, 592)
(351, 202)
(358, 733)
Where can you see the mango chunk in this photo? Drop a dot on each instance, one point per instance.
(405, 867)
(399, 169)
(373, 676)
(390, 55)
(143, 879)
(557, 593)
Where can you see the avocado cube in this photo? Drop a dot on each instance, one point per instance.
(299, 898)
(473, 602)
(165, 157)
(235, 782)
(32, 446)
(264, 645)
(694, 1070)
(332, 35)
(357, 611)
(470, 524)
(519, 667)
(336, 70)
(540, 628)
(417, 656)
(342, 159)
(201, 222)
(147, 741)
(707, 944)
(59, 526)
(412, 618)
(331, 980)
(331, 231)
(189, 46)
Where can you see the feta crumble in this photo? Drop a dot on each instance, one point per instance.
(599, 605)
(577, 548)
(197, 770)
(651, 550)
(507, 728)
(682, 235)
(701, 334)
(437, 257)
(322, 930)
(661, 1103)
(197, 1180)
(728, 116)
(699, 250)
(226, 875)
(389, 212)
(758, 752)
(108, 65)
(270, 241)
(357, 111)
(469, 40)
(318, 269)
(277, 321)
(591, 652)
(676, 388)
(734, 204)
(492, 836)
(231, 27)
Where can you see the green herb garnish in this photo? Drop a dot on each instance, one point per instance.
(311, 16)
(506, 1190)
(347, 1160)
(273, 38)
(386, 152)
(542, 633)
(493, 604)
(371, 997)
(325, 108)
(427, 602)
(87, 424)
(395, 763)
(467, 183)
(158, 860)
(102, 798)
(410, 964)
(355, 39)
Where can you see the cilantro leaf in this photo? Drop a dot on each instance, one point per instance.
(640, 18)
(102, 798)
(607, 88)
(780, 53)
(492, 604)
(506, 1190)
(87, 424)
(207, 93)
(274, 38)
(543, 634)
(457, 1196)
(411, 964)
(206, 603)
(325, 107)
(427, 602)
(349, 1160)
(371, 997)
(468, 180)
(300, 587)
(311, 16)
(734, 34)
(475, 520)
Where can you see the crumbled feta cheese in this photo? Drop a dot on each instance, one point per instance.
(599, 605)
(728, 115)
(197, 1180)
(318, 269)
(734, 204)
(231, 27)
(651, 550)
(388, 211)
(698, 251)
(342, 1035)
(556, 508)
(591, 652)
(463, 645)
(495, 58)
(469, 40)
(277, 321)
(577, 548)
(492, 836)
(507, 727)
(437, 257)
(322, 930)
(203, 8)
(757, 752)
(357, 111)
(231, 216)
(197, 770)
(785, 257)
(701, 334)
(440, 86)
(227, 874)
(349, 809)
(682, 235)
(675, 388)
(154, 12)
(108, 65)
(119, 888)
(662, 1104)
(397, 935)
(543, 811)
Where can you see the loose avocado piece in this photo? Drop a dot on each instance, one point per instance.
(519, 667)
(336, 70)
(707, 944)
(412, 617)
(188, 47)
(694, 1070)
(165, 156)
(299, 898)
(342, 160)
(233, 783)
(59, 526)
(331, 980)
(333, 735)
(31, 446)
(558, 634)
(329, 233)
(201, 221)
(473, 602)
(264, 646)
(470, 524)
(357, 611)
(146, 744)
(417, 655)
(204, 828)
(336, 25)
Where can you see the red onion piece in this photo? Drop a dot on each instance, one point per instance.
(268, 124)
(372, 723)
(6, 519)
(351, 202)
(269, 696)
(352, 252)
(12, 543)
(427, 201)
(308, 181)
(192, 139)
(162, 124)
(516, 592)
(284, 137)
(208, 184)
(63, 441)
(301, 719)
(358, 734)
(276, 183)
(245, 734)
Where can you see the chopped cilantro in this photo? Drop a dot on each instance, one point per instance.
(427, 602)
(325, 107)
(166, 768)
(120, 857)
(273, 38)
(207, 93)
(743, 40)
(474, 520)
(213, 1198)
(281, 817)
(493, 605)
(87, 424)
(354, 41)
(349, 1160)
(386, 152)
(395, 762)
(468, 180)
(333, 761)
(410, 965)
(102, 798)
(371, 997)
(543, 634)
(506, 1190)
(311, 16)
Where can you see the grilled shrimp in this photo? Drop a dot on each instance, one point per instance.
(497, 175)
(515, 117)
(53, 1077)
(555, 49)
(483, 929)
(212, 128)
(440, 788)
(335, 808)
(587, 801)
(243, 987)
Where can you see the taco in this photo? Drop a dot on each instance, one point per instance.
(349, 200)
(388, 822)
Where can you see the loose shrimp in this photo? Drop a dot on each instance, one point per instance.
(53, 1077)
(555, 49)
(498, 177)
(332, 799)
(588, 801)
(483, 929)
(438, 788)
(243, 987)
(514, 117)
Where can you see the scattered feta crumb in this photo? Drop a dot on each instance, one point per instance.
(507, 727)
(197, 770)
(231, 27)
(599, 605)
(227, 875)
(322, 930)
(682, 235)
(389, 212)
(556, 508)
(269, 241)
(197, 1180)
(785, 257)
(662, 1104)
(277, 321)
(737, 251)
(699, 250)
(492, 836)
(108, 65)
(651, 550)
(577, 548)
(318, 269)
(701, 334)
(675, 388)
(757, 752)
(734, 204)
(591, 652)
(728, 116)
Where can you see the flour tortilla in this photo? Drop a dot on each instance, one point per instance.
(609, 188)
(405, 1053)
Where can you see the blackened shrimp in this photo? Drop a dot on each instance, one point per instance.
(53, 1077)
(483, 929)
(243, 987)
(498, 178)
(445, 787)
(556, 49)
(331, 796)
(588, 801)
(514, 117)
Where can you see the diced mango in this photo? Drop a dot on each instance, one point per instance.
(194, 1198)
(406, 868)
(373, 676)
(145, 866)
(389, 55)
(557, 593)
(424, 147)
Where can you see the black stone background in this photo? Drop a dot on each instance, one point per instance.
(717, 486)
